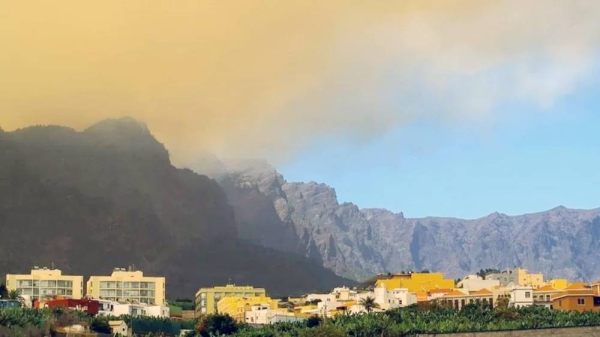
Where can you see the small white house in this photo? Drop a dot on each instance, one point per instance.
(111, 308)
(258, 314)
(476, 283)
(158, 311)
(520, 296)
(119, 327)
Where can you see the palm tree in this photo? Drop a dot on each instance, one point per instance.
(369, 303)
(14, 295)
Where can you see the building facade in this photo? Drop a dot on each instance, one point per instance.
(208, 298)
(46, 283)
(128, 286)
(476, 282)
(518, 276)
(237, 307)
(416, 282)
(577, 300)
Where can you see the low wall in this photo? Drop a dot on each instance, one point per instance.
(593, 331)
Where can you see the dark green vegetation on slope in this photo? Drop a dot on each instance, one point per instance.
(411, 321)
(40, 323)
(109, 197)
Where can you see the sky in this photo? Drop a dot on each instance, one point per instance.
(455, 108)
(513, 165)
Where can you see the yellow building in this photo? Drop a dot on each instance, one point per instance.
(518, 276)
(416, 282)
(127, 285)
(558, 284)
(237, 307)
(45, 283)
(207, 298)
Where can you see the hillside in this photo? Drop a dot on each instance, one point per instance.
(358, 243)
(108, 196)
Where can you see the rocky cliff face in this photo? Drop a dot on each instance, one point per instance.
(357, 242)
(109, 197)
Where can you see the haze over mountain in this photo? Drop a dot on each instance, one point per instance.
(109, 197)
(356, 243)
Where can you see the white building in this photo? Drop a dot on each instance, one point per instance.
(258, 314)
(111, 308)
(263, 314)
(119, 327)
(520, 296)
(338, 294)
(394, 298)
(476, 283)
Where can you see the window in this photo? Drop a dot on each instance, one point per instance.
(24, 283)
(64, 284)
(147, 285)
(597, 301)
(581, 301)
(129, 285)
(527, 294)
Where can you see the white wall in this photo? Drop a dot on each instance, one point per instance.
(259, 314)
(158, 311)
(475, 283)
(520, 296)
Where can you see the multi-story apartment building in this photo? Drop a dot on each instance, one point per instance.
(128, 286)
(45, 283)
(208, 298)
(518, 276)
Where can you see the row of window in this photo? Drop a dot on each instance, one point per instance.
(239, 294)
(127, 293)
(127, 285)
(44, 283)
(50, 292)
(141, 300)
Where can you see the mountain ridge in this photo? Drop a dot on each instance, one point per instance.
(108, 196)
(359, 242)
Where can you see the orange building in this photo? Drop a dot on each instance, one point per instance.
(544, 295)
(577, 300)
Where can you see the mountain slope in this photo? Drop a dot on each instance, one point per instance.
(108, 196)
(357, 243)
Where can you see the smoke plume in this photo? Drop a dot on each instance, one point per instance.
(266, 78)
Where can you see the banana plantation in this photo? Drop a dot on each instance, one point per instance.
(407, 321)
(411, 321)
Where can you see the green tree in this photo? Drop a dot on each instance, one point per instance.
(13, 295)
(100, 325)
(369, 303)
(216, 324)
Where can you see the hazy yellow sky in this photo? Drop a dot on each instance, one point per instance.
(264, 78)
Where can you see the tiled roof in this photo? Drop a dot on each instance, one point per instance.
(481, 292)
(577, 285)
(440, 291)
(545, 288)
(421, 296)
(455, 293)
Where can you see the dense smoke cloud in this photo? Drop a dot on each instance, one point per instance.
(264, 78)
